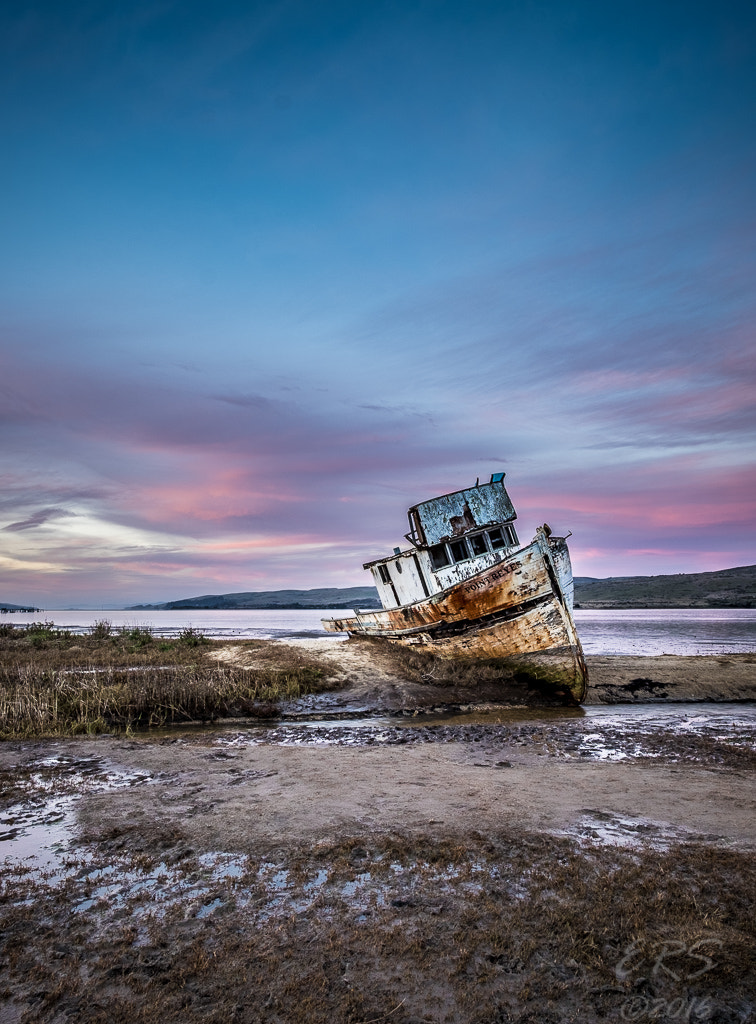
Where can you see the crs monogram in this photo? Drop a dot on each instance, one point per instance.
(678, 960)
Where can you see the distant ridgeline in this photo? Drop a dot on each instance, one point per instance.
(728, 588)
(5, 608)
(326, 597)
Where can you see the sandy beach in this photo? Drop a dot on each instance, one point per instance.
(583, 864)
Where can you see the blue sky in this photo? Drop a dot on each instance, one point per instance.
(270, 273)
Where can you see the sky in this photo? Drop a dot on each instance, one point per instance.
(270, 273)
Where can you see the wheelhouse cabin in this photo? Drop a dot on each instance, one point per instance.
(453, 537)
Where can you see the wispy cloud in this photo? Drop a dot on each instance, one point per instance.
(245, 401)
(39, 518)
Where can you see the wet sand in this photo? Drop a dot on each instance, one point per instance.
(314, 788)
(722, 677)
(456, 869)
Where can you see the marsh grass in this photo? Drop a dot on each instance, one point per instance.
(53, 682)
(469, 954)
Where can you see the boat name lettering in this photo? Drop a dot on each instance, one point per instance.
(482, 584)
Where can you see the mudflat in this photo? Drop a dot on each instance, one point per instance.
(619, 680)
(549, 865)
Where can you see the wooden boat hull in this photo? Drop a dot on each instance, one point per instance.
(515, 613)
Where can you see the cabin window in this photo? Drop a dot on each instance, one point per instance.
(398, 566)
(438, 556)
(458, 550)
(478, 543)
(384, 574)
(511, 536)
(417, 528)
(497, 539)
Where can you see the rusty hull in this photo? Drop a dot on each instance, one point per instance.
(513, 612)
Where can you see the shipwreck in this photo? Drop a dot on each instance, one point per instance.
(466, 589)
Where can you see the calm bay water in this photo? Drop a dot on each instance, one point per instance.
(648, 631)
(635, 631)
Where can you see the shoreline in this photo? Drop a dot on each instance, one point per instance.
(55, 684)
(372, 676)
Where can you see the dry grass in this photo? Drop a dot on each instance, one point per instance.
(484, 676)
(53, 682)
(475, 953)
(422, 666)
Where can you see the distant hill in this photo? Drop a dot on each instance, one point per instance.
(324, 597)
(5, 607)
(728, 588)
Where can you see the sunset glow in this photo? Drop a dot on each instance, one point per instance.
(258, 298)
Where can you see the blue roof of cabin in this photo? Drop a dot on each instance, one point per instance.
(453, 515)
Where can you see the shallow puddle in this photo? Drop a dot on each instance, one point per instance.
(359, 727)
(36, 833)
(604, 829)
